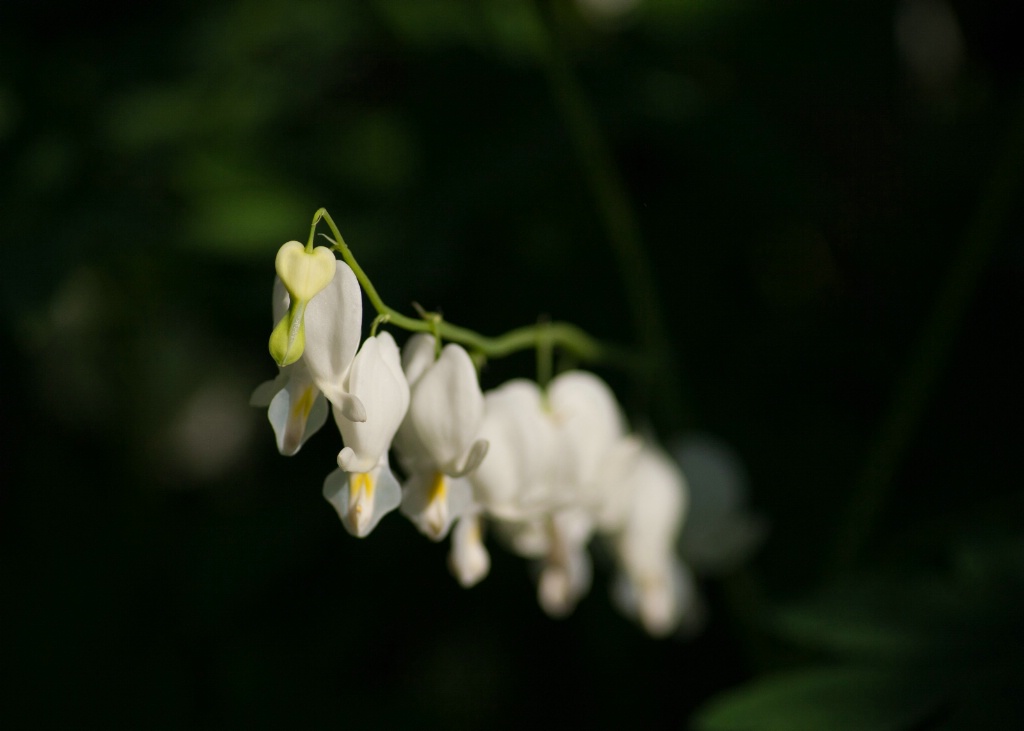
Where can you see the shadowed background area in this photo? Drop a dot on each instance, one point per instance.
(831, 204)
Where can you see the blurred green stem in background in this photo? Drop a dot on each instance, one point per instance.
(620, 224)
(931, 351)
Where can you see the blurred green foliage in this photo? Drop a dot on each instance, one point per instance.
(803, 181)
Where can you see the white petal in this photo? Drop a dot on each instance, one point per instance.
(661, 600)
(362, 499)
(567, 570)
(376, 379)
(472, 459)
(417, 356)
(447, 407)
(469, 560)
(657, 505)
(517, 476)
(528, 537)
(432, 501)
(333, 323)
(586, 411)
(296, 413)
(265, 392)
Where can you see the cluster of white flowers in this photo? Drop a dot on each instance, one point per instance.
(546, 470)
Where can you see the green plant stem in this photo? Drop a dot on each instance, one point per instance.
(618, 218)
(931, 351)
(543, 335)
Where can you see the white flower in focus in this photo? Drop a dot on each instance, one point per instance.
(297, 409)
(439, 441)
(333, 325)
(369, 490)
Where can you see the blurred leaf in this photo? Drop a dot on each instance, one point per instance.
(849, 633)
(836, 699)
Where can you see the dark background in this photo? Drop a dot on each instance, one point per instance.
(830, 198)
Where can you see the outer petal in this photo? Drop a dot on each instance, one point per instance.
(590, 418)
(446, 409)
(376, 379)
(567, 571)
(515, 479)
(362, 499)
(656, 510)
(661, 599)
(417, 356)
(297, 411)
(333, 323)
(654, 585)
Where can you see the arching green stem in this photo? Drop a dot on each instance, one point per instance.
(555, 334)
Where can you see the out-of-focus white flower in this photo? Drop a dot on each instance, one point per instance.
(566, 570)
(369, 490)
(438, 440)
(469, 560)
(589, 418)
(720, 532)
(516, 480)
(652, 585)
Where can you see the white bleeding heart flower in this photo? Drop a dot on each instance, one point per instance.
(519, 476)
(438, 440)
(333, 325)
(297, 408)
(365, 490)
(653, 585)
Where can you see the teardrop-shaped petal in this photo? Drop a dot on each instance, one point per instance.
(376, 379)
(333, 324)
(447, 407)
(361, 499)
(468, 559)
(591, 421)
